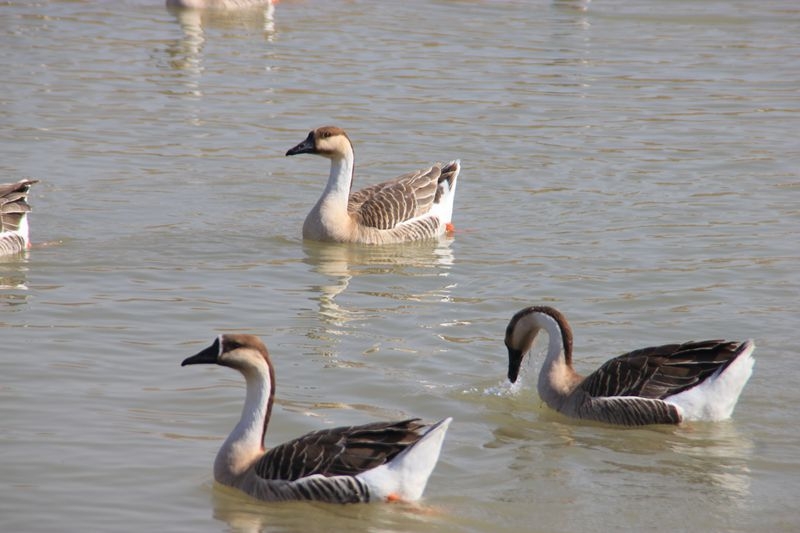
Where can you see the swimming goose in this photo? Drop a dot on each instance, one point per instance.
(381, 461)
(658, 385)
(417, 205)
(14, 210)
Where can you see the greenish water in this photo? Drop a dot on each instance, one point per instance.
(632, 163)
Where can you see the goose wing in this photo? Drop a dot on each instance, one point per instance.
(339, 451)
(13, 203)
(387, 204)
(630, 411)
(660, 371)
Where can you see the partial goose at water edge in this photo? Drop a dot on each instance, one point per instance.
(14, 209)
(414, 206)
(380, 461)
(666, 384)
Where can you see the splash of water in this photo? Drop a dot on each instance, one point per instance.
(504, 388)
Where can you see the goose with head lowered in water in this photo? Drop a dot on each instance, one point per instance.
(665, 384)
(381, 461)
(414, 206)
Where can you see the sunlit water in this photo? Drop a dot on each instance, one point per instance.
(634, 164)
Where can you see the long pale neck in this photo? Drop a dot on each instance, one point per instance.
(557, 379)
(340, 180)
(245, 444)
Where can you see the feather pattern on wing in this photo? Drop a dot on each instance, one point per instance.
(14, 203)
(14, 208)
(385, 205)
(339, 451)
(660, 371)
(338, 489)
(629, 411)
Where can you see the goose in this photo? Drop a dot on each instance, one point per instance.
(14, 210)
(381, 461)
(665, 384)
(414, 206)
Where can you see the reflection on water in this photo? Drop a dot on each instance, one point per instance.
(187, 53)
(718, 455)
(360, 284)
(340, 263)
(711, 456)
(572, 5)
(240, 513)
(13, 279)
(244, 514)
(626, 160)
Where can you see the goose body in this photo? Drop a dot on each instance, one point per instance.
(381, 461)
(14, 211)
(665, 384)
(414, 206)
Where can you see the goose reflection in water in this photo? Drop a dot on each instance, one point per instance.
(13, 279)
(341, 263)
(245, 515)
(256, 17)
(713, 458)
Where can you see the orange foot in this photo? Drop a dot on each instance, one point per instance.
(449, 227)
(392, 498)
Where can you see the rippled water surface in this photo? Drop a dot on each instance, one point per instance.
(633, 163)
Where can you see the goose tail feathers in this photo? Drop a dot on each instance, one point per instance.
(446, 191)
(716, 397)
(14, 209)
(404, 478)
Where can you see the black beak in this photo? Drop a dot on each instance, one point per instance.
(305, 147)
(514, 362)
(209, 356)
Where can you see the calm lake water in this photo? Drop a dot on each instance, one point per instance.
(633, 163)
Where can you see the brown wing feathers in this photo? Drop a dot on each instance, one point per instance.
(447, 174)
(339, 451)
(385, 205)
(660, 371)
(13, 203)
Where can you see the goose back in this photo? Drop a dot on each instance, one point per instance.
(660, 371)
(339, 451)
(385, 205)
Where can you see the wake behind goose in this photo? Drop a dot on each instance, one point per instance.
(414, 206)
(665, 384)
(382, 461)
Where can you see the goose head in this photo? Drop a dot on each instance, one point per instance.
(328, 141)
(525, 326)
(245, 353)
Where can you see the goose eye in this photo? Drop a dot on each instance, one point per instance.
(232, 345)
